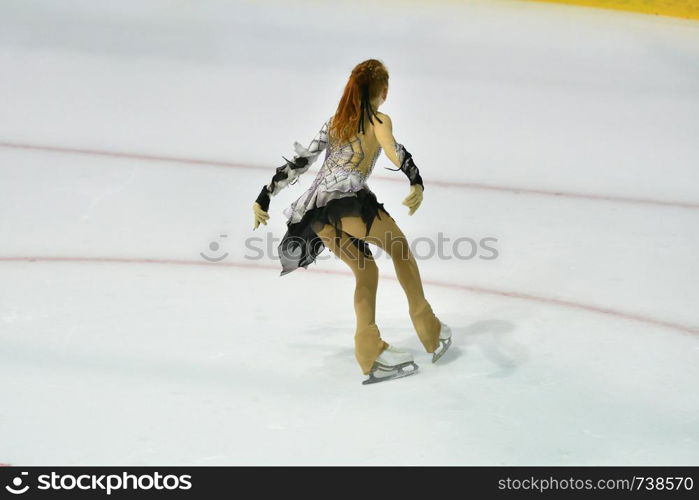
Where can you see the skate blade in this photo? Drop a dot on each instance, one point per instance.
(445, 343)
(399, 371)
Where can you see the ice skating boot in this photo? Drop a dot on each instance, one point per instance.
(391, 363)
(444, 342)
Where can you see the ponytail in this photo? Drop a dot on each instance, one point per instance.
(365, 83)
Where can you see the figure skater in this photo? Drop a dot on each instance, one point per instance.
(340, 212)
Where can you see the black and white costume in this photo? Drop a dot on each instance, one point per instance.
(340, 189)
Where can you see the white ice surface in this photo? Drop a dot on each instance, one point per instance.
(161, 358)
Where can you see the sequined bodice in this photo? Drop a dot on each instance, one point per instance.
(345, 170)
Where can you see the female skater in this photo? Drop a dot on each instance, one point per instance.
(340, 212)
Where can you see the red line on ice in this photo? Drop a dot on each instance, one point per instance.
(432, 182)
(475, 289)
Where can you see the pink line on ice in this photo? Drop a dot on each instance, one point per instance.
(431, 182)
(458, 286)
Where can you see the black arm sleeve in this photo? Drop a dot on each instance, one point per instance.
(281, 179)
(407, 166)
(292, 169)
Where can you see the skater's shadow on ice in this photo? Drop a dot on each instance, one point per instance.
(493, 337)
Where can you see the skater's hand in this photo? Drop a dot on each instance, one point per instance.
(413, 200)
(260, 215)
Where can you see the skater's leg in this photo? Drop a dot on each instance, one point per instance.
(386, 234)
(367, 339)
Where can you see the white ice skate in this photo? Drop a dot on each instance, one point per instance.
(444, 342)
(391, 363)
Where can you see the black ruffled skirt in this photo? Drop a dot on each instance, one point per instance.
(301, 244)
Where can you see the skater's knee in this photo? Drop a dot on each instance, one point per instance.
(368, 266)
(367, 274)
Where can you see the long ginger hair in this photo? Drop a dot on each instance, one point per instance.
(366, 82)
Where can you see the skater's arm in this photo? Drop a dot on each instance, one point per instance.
(384, 134)
(396, 152)
(402, 159)
(292, 169)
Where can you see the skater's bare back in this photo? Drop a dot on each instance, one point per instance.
(366, 146)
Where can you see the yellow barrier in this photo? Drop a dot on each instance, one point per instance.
(677, 8)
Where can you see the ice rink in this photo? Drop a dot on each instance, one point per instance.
(134, 137)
